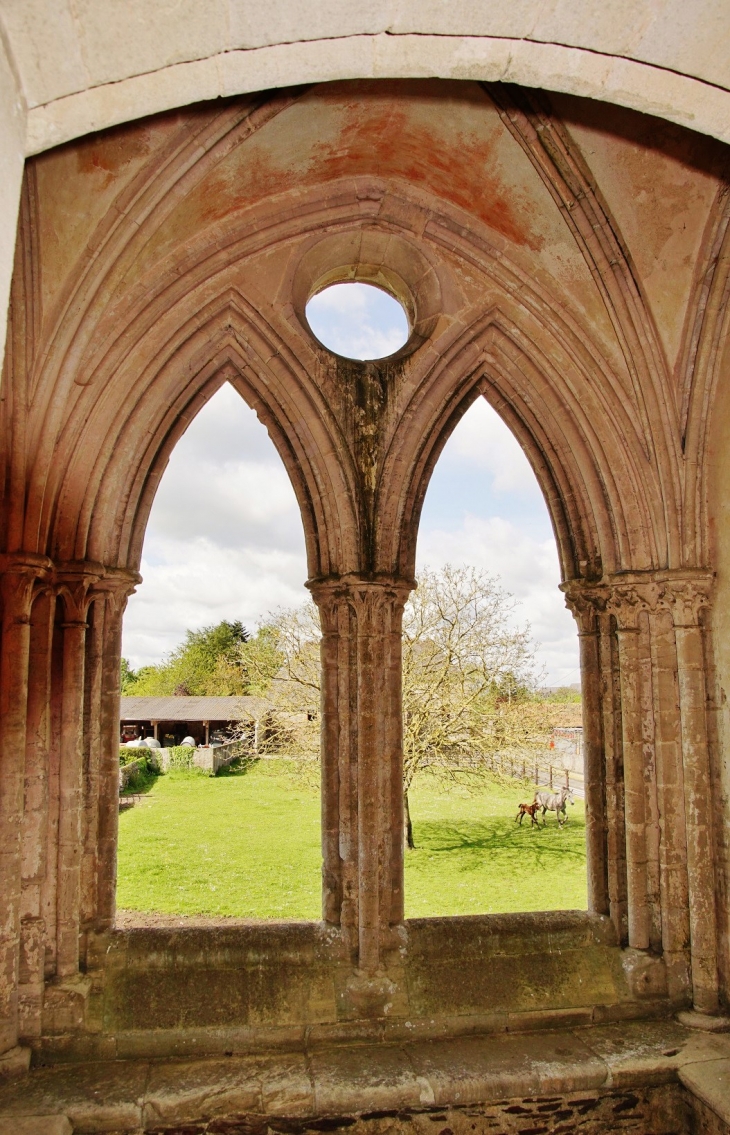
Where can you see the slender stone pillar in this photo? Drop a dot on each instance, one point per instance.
(653, 687)
(35, 816)
(584, 608)
(613, 756)
(687, 598)
(670, 800)
(73, 593)
(649, 767)
(115, 589)
(626, 606)
(18, 582)
(93, 664)
(362, 741)
(50, 878)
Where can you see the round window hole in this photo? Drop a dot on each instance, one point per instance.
(358, 321)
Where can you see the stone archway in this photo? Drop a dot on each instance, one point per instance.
(205, 233)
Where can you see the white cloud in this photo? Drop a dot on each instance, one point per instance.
(225, 536)
(350, 301)
(198, 583)
(483, 441)
(358, 321)
(528, 569)
(224, 539)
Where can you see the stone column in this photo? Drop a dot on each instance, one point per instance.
(115, 588)
(93, 665)
(74, 585)
(585, 610)
(35, 817)
(626, 605)
(687, 598)
(670, 799)
(614, 764)
(362, 778)
(20, 575)
(50, 878)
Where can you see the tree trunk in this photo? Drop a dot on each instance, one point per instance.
(408, 824)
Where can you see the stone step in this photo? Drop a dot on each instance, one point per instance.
(635, 1067)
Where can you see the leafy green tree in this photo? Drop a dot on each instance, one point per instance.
(222, 660)
(260, 659)
(199, 665)
(128, 677)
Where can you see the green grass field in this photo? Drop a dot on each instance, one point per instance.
(247, 844)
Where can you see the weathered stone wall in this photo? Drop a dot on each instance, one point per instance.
(152, 991)
(66, 70)
(566, 264)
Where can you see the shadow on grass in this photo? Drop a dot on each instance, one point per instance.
(545, 848)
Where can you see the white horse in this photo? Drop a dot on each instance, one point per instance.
(555, 802)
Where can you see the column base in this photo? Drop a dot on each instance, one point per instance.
(369, 995)
(65, 1004)
(693, 1019)
(646, 973)
(15, 1062)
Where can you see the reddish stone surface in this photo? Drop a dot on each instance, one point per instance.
(533, 246)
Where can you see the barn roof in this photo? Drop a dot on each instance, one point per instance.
(191, 708)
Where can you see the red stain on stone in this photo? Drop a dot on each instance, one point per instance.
(463, 171)
(389, 137)
(230, 189)
(109, 152)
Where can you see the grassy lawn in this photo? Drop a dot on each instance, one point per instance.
(247, 845)
(472, 858)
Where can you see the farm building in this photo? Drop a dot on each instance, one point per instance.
(170, 719)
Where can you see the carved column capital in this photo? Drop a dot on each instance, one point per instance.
(366, 595)
(685, 598)
(628, 600)
(117, 585)
(72, 582)
(22, 574)
(626, 594)
(25, 562)
(585, 601)
(79, 583)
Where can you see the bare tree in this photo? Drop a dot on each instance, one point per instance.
(469, 678)
(294, 690)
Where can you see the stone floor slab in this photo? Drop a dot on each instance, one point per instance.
(365, 1078)
(709, 1080)
(95, 1097)
(286, 1086)
(204, 1089)
(345, 1080)
(639, 1052)
(471, 1069)
(37, 1125)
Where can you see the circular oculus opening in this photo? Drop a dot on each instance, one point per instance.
(358, 321)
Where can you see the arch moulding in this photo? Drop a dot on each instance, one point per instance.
(141, 333)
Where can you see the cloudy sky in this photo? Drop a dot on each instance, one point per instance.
(225, 540)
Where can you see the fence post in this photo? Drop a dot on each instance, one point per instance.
(567, 778)
(551, 777)
(537, 774)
